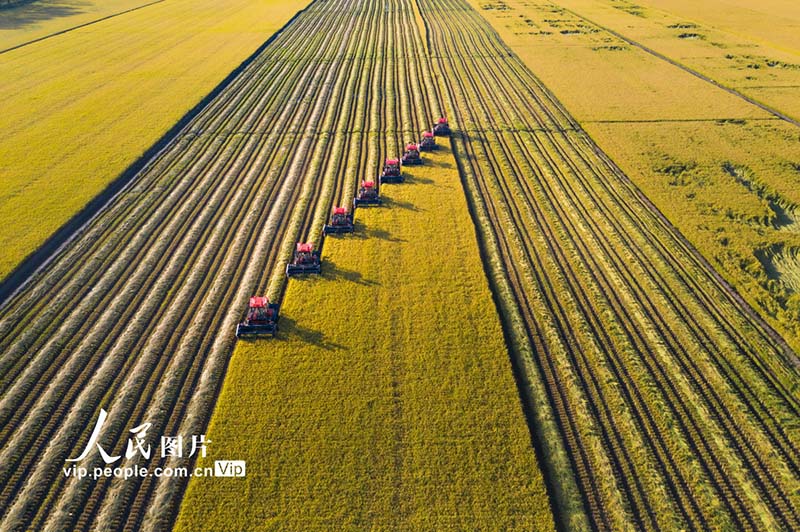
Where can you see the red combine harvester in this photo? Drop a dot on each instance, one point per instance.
(261, 320)
(428, 142)
(391, 172)
(305, 260)
(411, 156)
(367, 195)
(341, 222)
(441, 128)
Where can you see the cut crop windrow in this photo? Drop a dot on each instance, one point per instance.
(661, 399)
(620, 273)
(189, 252)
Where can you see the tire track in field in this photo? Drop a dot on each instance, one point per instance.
(628, 300)
(383, 124)
(135, 314)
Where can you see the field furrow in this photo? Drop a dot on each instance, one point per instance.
(655, 397)
(136, 313)
(650, 363)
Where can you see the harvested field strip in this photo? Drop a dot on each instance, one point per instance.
(389, 415)
(167, 269)
(81, 108)
(670, 398)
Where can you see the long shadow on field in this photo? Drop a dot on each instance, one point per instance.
(364, 232)
(382, 234)
(411, 178)
(308, 335)
(397, 204)
(444, 164)
(333, 272)
(25, 13)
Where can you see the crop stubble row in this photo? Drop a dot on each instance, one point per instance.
(607, 316)
(136, 313)
(622, 316)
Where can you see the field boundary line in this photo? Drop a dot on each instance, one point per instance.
(659, 55)
(22, 274)
(79, 26)
(735, 296)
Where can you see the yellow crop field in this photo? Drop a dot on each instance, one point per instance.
(689, 154)
(580, 313)
(739, 206)
(744, 47)
(79, 108)
(769, 21)
(387, 402)
(29, 21)
(598, 76)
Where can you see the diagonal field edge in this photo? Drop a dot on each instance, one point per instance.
(24, 272)
(79, 26)
(695, 73)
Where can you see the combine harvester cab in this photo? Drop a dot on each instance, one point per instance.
(367, 195)
(341, 222)
(391, 172)
(305, 260)
(441, 128)
(412, 156)
(261, 320)
(428, 142)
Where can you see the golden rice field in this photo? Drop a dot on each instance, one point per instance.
(751, 47)
(25, 22)
(80, 107)
(581, 313)
(722, 170)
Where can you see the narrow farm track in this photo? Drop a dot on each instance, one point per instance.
(676, 408)
(136, 314)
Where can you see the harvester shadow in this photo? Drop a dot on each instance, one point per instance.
(29, 12)
(364, 232)
(444, 164)
(382, 234)
(333, 272)
(311, 336)
(411, 178)
(359, 232)
(397, 204)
